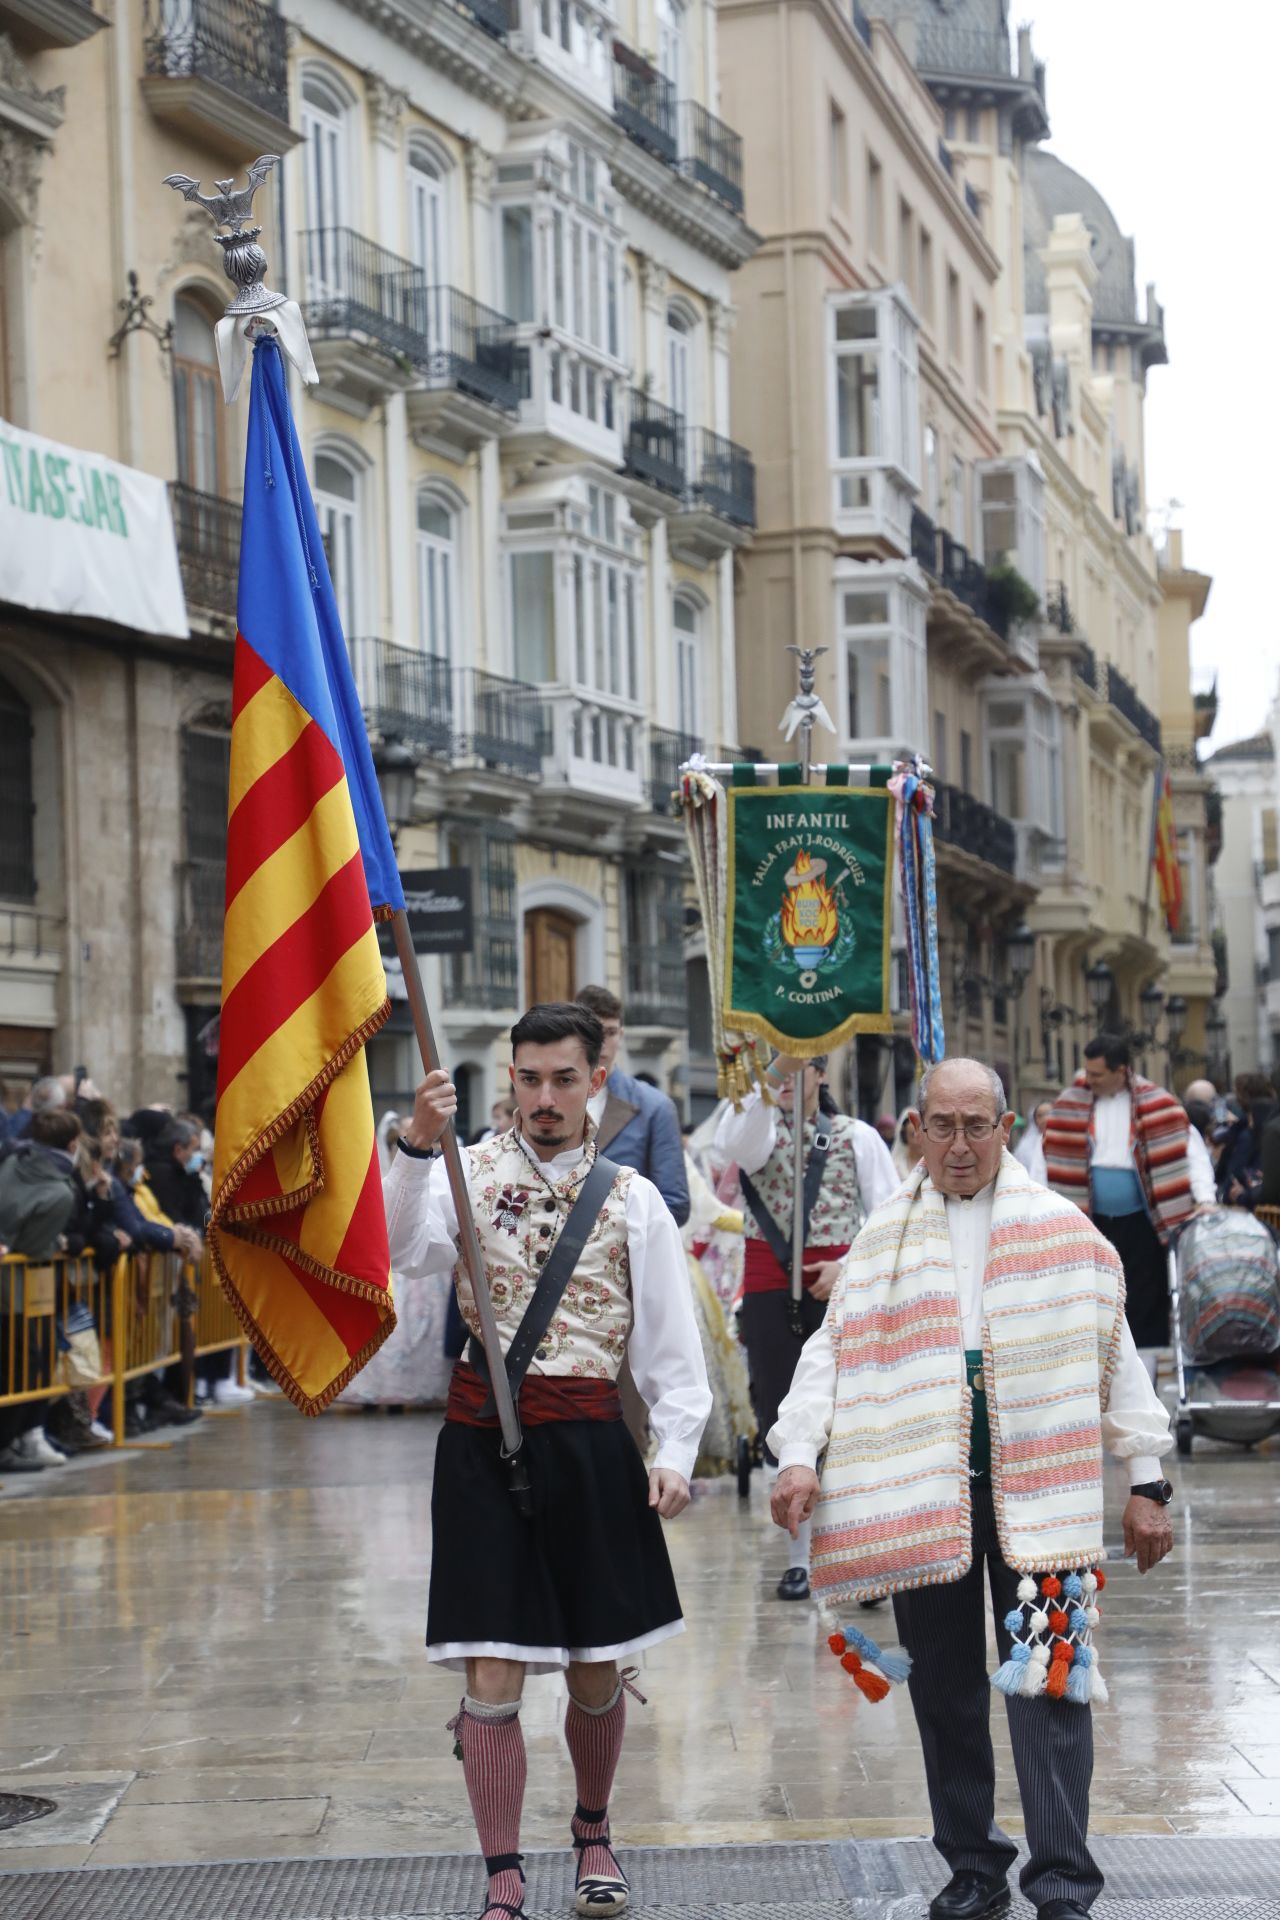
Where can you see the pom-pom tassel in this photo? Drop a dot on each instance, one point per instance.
(1034, 1677)
(894, 1666)
(1097, 1686)
(872, 1684)
(1026, 1589)
(1009, 1676)
(1079, 1685)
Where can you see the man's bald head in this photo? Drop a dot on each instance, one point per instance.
(964, 1125)
(1202, 1090)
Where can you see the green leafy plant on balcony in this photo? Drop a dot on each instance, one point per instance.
(1010, 595)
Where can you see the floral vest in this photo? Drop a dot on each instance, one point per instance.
(838, 1211)
(519, 1212)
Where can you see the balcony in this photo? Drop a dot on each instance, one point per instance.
(470, 371)
(595, 747)
(654, 452)
(668, 752)
(970, 826)
(504, 727)
(218, 71)
(38, 25)
(657, 992)
(720, 504)
(1057, 608)
(202, 887)
(945, 161)
(495, 16)
(207, 530)
(711, 155)
(964, 610)
(966, 578)
(366, 312)
(924, 542)
(1123, 697)
(571, 400)
(407, 695)
(644, 105)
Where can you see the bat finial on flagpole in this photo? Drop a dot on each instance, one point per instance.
(255, 306)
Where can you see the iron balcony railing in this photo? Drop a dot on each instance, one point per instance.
(945, 161)
(966, 577)
(207, 530)
(973, 203)
(352, 285)
(668, 752)
(644, 106)
(655, 444)
(469, 348)
(924, 541)
(861, 23)
(712, 155)
(508, 724)
(657, 990)
(202, 888)
(495, 16)
(1087, 667)
(406, 694)
(1123, 696)
(1057, 608)
(948, 49)
(975, 828)
(722, 477)
(238, 44)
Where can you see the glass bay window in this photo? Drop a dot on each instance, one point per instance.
(880, 616)
(874, 413)
(1024, 759)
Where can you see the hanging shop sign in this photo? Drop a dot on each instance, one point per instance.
(438, 901)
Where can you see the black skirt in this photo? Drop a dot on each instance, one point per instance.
(1146, 1275)
(587, 1577)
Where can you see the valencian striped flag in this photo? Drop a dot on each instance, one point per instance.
(297, 1230)
(1165, 851)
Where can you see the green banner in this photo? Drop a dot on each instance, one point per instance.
(810, 906)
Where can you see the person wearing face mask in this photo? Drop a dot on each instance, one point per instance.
(973, 1369)
(175, 1161)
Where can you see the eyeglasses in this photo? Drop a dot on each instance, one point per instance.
(974, 1131)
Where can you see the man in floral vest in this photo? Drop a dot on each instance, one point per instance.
(848, 1170)
(972, 1369)
(586, 1580)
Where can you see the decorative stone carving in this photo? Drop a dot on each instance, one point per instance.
(22, 102)
(481, 169)
(653, 283)
(386, 108)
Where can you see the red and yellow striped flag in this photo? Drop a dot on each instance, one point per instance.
(1168, 866)
(297, 1230)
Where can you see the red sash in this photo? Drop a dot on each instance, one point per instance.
(543, 1397)
(762, 1274)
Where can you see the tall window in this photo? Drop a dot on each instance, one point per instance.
(197, 400)
(17, 798)
(577, 34)
(327, 161)
(876, 380)
(880, 624)
(679, 362)
(867, 636)
(428, 221)
(1024, 754)
(954, 344)
(437, 576)
(671, 44)
(337, 497)
(906, 246)
(688, 645)
(838, 156)
(959, 499)
(875, 206)
(932, 484)
(206, 774)
(980, 349)
(490, 975)
(925, 282)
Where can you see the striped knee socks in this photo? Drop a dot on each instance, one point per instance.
(495, 1767)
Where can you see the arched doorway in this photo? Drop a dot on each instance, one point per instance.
(550, 955)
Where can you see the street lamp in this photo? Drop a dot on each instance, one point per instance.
(1151, 1000)
(1215, 1033)
(1020, 952)
(1175, 1016)
(1099, 983)
(397, 774)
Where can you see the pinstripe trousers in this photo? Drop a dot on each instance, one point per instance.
(945, 1631)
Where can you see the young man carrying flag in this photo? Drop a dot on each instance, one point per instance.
(585, 1267)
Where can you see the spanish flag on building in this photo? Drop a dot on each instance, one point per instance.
(297, 1231)
(1168, 869)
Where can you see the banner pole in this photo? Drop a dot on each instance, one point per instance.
(805, 730)
(469, 1239)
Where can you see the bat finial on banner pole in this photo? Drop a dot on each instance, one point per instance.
(245, 264)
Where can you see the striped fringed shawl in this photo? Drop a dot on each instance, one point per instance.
(894, 1508)
(1158, 1130)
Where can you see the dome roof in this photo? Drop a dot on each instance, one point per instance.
(1050, 188)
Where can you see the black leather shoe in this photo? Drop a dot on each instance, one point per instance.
(1062, 1910)
(970, 1896)
(794, 1584)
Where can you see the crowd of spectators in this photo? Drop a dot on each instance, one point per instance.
(76, 1179)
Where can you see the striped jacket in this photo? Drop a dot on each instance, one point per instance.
(1158, 1132)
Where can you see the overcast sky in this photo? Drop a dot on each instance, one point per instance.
(1168, 108)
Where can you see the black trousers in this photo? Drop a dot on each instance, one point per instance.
(1146, 1275)
(773, 1350)
(945, 1631)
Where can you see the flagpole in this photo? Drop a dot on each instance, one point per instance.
(804, 708)
(468, 1238)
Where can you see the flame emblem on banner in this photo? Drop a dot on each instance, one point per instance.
(810, 919)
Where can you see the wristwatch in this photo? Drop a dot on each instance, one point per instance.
(1158, 1490)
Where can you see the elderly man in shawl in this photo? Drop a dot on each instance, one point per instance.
(972, 1369)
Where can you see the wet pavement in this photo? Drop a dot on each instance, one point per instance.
(212, 1651)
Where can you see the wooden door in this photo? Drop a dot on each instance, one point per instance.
(550, 956)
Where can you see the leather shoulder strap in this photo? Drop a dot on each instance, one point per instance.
(555, 1276)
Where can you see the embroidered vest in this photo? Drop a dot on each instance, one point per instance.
(838, 1212)
(519, 1211)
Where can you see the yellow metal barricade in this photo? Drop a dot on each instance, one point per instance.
(217, 1328)
(46, 1307)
